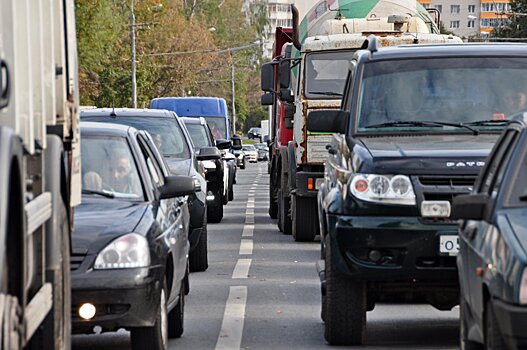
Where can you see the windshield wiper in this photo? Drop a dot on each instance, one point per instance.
(494, 122)
(100, 193)
(329, 93)
(422, 123)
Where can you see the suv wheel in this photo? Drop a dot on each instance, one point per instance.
(345, 309)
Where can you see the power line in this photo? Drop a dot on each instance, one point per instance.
(231, 49)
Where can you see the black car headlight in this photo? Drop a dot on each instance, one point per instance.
(389, 189)
(128, 251)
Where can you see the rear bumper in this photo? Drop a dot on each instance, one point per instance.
(302, 181)
(512, 320)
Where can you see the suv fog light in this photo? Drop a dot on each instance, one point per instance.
(375, 255)
(87, 311)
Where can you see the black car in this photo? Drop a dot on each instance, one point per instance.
(174, 143)
(129, 265)
(415, 127)
(254, 133)
(263, 151)
(492, 258)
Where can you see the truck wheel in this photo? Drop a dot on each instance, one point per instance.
(284, 220)
(465, 344)
(176, 316)
(215, 213)
(305, 219)
(155, 337)
(198, 257)
(345, 312)
(493, 337)
(273, 206)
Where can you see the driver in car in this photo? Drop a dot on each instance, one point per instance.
(118, 181)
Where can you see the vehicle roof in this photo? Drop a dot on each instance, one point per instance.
(446, 50)
(192, 106)
(127, 112)
(110, 129)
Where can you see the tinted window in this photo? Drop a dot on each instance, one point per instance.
(249, 148)
(217, 127)
(326, 73)
(108, 166)
(199, 135)
(518, 192)
(446, 90)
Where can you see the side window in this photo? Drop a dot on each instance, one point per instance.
(495, 170)
(347, 95)
(156, 174)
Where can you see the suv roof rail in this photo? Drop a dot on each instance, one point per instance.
(370, 44)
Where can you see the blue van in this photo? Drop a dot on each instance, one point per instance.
(213, 109)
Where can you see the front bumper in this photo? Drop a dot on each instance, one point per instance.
(124, 298)
(408, 248)
(512, 320)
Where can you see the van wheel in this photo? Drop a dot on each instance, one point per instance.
(156, 337)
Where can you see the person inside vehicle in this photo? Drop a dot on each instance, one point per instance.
(118, 179)
(514, 101)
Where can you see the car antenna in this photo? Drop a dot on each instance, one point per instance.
(112, 114)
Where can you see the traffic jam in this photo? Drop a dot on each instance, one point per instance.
(393, 163)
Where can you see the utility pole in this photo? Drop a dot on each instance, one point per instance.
(233, 97)
(132, 34)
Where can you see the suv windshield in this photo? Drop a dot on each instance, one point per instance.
(109, 169)
(326, 74)
(479, 92)
(199, 135)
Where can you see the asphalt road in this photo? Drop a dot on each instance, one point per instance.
(261, 291)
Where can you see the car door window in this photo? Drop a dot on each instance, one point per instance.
(156, 174)
(493, 174)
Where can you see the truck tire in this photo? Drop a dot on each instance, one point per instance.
(273, 206)
(198, 260)
(465, 344)
(305, 219)
(155, 337)
(345, 309)
(215, 213)
(284, 220)
(493, 337)
(176, 317)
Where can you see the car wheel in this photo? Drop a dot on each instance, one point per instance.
(198, 260)
(465, 344)
(215, 213)
(176, 316)
(345, 311)
(493, 337)
(156, 337)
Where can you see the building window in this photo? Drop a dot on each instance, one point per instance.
(439, 8)
(471, 24)
(495, 7)
(454, 8)
(454, 24)
(471, 8)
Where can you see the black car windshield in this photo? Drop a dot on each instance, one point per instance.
(109, 169)
(411, 95)
(166, 132)
(326, 73)
(199, 135)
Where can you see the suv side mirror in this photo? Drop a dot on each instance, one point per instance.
(176, 186)
(223, 144)
(267, 99)
(470, 206)
(284, 70)
(208, 153)
(267, 77)
(329, 120)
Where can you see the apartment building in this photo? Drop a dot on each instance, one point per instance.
(470, 18)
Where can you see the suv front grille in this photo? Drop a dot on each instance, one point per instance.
(447, 181)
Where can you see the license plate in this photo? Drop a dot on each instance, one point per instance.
(449, 245)
(435, 209)
(319, 182)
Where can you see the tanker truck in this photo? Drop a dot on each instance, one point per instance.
(313, 78)
(39, 171)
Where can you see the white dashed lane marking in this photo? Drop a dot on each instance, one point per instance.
(231, 331)
(241, 270)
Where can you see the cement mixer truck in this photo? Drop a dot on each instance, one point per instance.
(312, 77)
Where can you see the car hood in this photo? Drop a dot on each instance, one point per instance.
(99, 221)
(179, 166)
(438, 154)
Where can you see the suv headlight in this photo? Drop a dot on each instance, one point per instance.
(523, 288)
(128, 251)
(389, 189)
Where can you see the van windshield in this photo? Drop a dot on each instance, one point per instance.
(414, 94)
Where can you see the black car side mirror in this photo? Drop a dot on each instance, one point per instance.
(208, 153)
(236, 142)
(470, 206)
(223, 144)
(328, 120)
(176, 186)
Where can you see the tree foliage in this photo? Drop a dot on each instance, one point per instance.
(177, 51)
(513, 25)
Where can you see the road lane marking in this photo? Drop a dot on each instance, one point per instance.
(249, 212)
(241, 270)
(246, 247)
(231, 331)
(250, 205)
(248, 231)
(249, 220)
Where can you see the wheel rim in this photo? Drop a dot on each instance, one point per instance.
(164, 320)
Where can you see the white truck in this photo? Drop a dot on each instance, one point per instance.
(264, 126)
(39, 171)
(313, 78)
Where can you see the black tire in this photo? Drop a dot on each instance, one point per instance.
(345, 310)
(284, 221)
(273, 205)
(304, 219)
(198, 260)
(155, 337)
(186, 281)
(493, 337)
(176, 317)
(231, 192)
(214, 213)
(465, 344)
